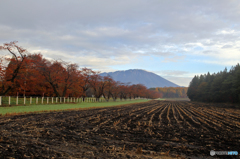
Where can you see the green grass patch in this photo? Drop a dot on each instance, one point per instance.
(174, 99)
(177, 99)
(53, 107)
(161, 99)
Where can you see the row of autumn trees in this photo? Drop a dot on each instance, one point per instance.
(221, 87)
(171, 92)
(33, 75)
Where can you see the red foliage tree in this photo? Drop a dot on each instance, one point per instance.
(115, 90)
(60, 75)
(84, 80)
(11, 72)
(109, 87)
(34, 75)
(123, 91)
(98, 85)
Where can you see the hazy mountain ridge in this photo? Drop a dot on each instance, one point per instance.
(137, 76)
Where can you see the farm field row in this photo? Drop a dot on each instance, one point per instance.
(141, 130)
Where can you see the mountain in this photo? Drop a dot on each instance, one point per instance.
(137, 76)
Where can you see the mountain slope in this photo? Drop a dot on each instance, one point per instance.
(137, 76)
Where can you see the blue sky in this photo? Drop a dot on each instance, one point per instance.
(174, 39)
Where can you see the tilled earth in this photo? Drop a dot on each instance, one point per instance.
(154, 129)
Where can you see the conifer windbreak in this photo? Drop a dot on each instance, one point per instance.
(223, 86)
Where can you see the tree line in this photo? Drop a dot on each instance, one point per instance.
(27, 74)
(171, 92)
(223, 86)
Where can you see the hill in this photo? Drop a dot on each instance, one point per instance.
(137, 76)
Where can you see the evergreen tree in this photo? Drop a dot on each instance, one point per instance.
(221, 87)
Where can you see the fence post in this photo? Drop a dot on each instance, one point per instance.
(17, 100)
(9, 100)
(42, 100)
(64, 99)
(60, 99)
(36, 100)
(24, 100)
(47, 99)
(0, 100)
(68, 99)
(56, 99)
(30, 100)
(52, 100)
(71, 99)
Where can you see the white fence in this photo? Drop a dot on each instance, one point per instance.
(8, 100)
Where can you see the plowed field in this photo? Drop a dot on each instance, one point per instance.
(142, 130)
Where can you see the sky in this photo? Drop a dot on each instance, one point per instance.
(174, 39)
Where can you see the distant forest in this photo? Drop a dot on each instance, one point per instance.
(221, 87)
(171, 92)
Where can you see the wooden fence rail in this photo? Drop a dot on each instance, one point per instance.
(10, 100)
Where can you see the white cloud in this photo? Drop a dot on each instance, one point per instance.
(222, 62)
(229, 31)
(172, 73)
(181, 81)
(104, 33)
(174, 59)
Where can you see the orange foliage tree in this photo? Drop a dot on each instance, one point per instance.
(98, 85)
(60, 75)
(109, 87)
(172, 92)
(33, 75)
(12, 70)
(84, 80)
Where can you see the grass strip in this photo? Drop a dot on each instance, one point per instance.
(174, 99)
(36, 108)
(160, 99)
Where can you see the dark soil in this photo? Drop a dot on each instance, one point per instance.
(144, 130)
